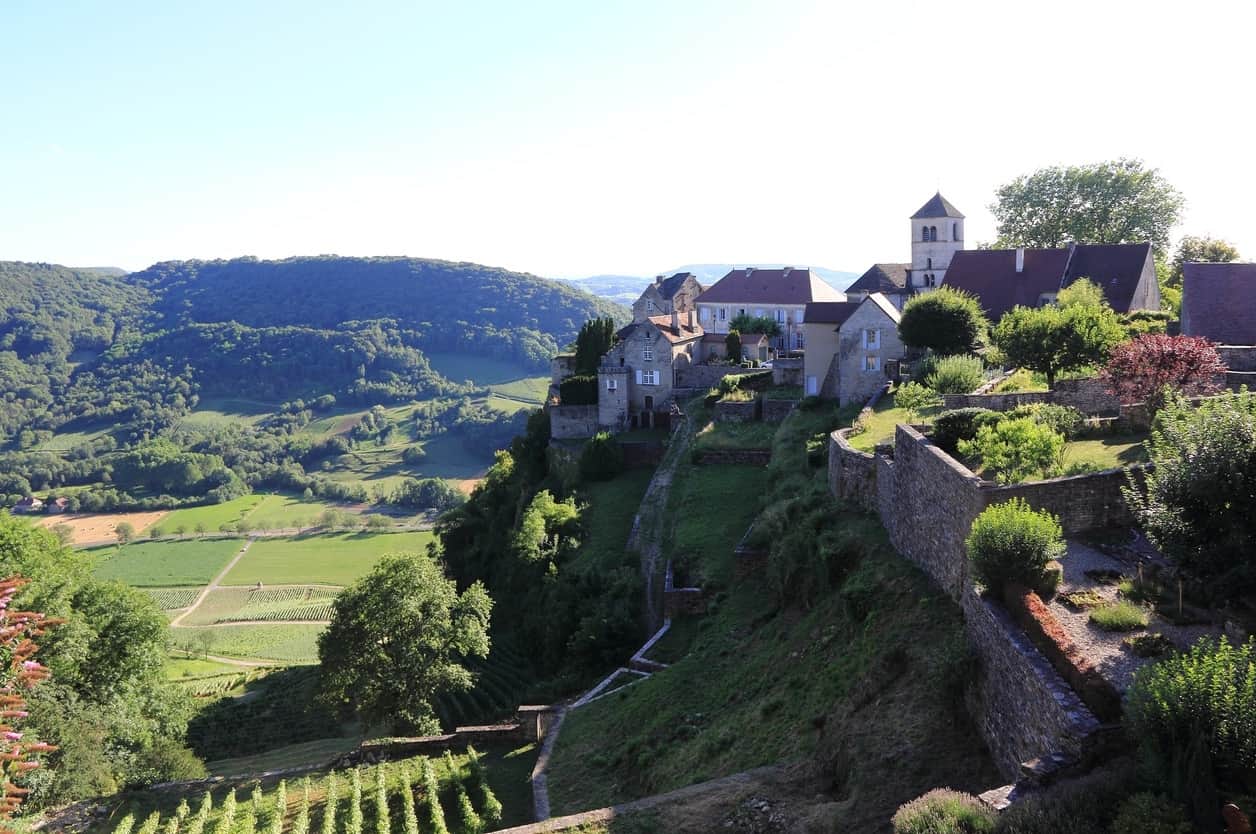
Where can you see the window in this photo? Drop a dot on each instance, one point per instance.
(931, 280)
(812, 387)
(924, 234)
(706, 314)
(647, 353)
(928, 263)
(933, 233)
(955, 231)
(649, 377)
(780, 316)
(649, 305)
(872, 363)
(611, 383)
(741, 311)
(871, 339)
(723, 313)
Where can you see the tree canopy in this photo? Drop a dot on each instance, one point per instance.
(946, 321)
(1119, 201)
(1201, 250)
(399, 637)
(1053, 339)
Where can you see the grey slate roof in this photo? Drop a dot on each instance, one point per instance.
(938, 206)
(770, 286)
(1219, 302)
(672, 285)
(886, 278)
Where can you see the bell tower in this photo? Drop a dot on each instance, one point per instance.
(937, 233)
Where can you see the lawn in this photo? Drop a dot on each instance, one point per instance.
(165, 564)
(711, 508)
(282, 642)
(1106, 452)
(612, 506)
(335, 559)
(879, 425)
(277, 512)
(731, 436)
(211, 516)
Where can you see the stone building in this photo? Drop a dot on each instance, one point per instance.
(1217, 302)
(849, 346)
(937, 233)
(637, 375)
(781, 294)
(1006, 278)
(667, 295)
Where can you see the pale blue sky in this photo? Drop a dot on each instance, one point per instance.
(573, 138)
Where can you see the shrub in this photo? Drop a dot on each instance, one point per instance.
(757, 380)
(732, 346)
(1198, 503)
(1119, 616)
(1086, 805)
(1064, 419)
(1010, 542)
(578, 390)
(946, 321)
(1149, 645)
(1149, 813)
(601, 459)
(950, 427)
(1140, 370)
(944, 811)
(913, 398)
(1054, 339)
(468, 820)
(956, 374)
(1014, 450)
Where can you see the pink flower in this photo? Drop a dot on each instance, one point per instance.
(12, 736)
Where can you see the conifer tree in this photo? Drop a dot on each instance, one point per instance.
(353, 825)
(381, 801)
(329, 806)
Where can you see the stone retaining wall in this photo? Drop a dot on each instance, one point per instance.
(1082, 502)
(774, 411)
(852, 473)
(737, 411)
(681, 601)
(787, 371)
(1238, 357)
(573, 421)
(752, 457)
(704, 376)
(1089, 396)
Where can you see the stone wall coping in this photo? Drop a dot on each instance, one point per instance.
(940, 454)
(995, 486)
(841, 438)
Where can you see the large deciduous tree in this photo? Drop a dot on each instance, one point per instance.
(1141, 370)
(399, 637)
(1200, 250)
(946, 321)
(1054, 339)
(1120, 201)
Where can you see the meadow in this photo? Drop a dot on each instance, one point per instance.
(282, 642)
(165, 564)
(335, 559)
(211, 517)
(279, 512)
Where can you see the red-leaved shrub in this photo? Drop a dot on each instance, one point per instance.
(1139, 370)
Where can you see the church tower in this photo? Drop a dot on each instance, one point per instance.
(937, 233)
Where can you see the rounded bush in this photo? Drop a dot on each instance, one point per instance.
(1013, 543)
(956, 374)
(944, 811)
(950, 427)
(1149, 813)
(1063, 419)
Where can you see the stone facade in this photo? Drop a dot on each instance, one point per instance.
(866, 342)
(650, 353)
(774, 411)
(787, 371)
(666, 295)
(568, 422)
(612, 397)
(703, 377)
(1089, 396)
(562, 366)
(740, 411)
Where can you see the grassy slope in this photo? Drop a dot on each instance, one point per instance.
(336, 559)
(275, 512)
(211, 516)
(283, 642)
(608, 518)
(879, 426)
(853, 689)
(166, 564)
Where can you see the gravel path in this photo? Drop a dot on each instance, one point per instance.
(1106, 649)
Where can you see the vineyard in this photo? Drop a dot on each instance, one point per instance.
(313, 604)
(452, 794)
(172, 599)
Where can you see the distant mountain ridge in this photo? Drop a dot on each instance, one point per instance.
(625, 289)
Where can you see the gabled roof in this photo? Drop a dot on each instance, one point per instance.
(886, 278)
(668, 287)
(886, 306)
(683, 333)
(829, 312)
(1219, 302)
(938, 206)
(770, 286)
(991, 274)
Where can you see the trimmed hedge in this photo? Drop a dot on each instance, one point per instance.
(578, 390)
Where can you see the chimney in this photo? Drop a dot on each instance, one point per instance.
(658, 280)
(749, 270)
(1020, 259)
(675, 320)
(692, 320)
(786, 271)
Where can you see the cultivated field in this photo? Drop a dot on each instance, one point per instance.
(211, 516)
(335, 559)
(282, 642)
(93, 528)
(166, 564)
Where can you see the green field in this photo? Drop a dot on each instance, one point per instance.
(532, 389)
(277, 512)
(211, 516)
(64, 441)
(173, 599)
(481, 369)
(219, 412)
(380, 468)
(283, 642)
(165, 564)
(181, 668)
(336, 559)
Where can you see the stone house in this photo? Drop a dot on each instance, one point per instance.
(849, 345)
(667, 295)
(1217, 302)
(937, 233)
(753, 346)
(58, 505)
(637, 375)
(1006, 278)
(781, 294)
(28, 506)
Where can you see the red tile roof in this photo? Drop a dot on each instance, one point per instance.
(770, 286)
(684, 333)
(1219, 302)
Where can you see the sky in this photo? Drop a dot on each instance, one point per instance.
(580, 138)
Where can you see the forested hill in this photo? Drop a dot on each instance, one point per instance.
(138, 350)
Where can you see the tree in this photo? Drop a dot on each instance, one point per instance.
(1120, 201)
(914, 397)
(746, 323)
(1201, 250)
(1015, 450)
(125, 532)
(595, 338)
(732, 345)
(428, 494)
(1052, 339)
(64, 532)
(1140, 370)
(946, 321)
(398, 638)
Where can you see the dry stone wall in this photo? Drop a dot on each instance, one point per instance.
(737, 411)
(774, 411)
(787, 371)
(852, 473)
(704, 376)
(1088, 396)
(573, 421)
